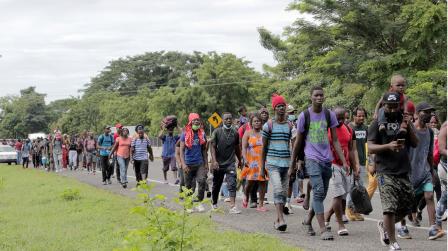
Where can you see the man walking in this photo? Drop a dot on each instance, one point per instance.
(169, 152)
(392, 167)
(104, 144)
(312, 140)
(224, 147)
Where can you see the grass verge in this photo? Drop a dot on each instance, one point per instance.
(44, 211)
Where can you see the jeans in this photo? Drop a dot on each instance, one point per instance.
(123, 163)
(198, 173)
(218, 177)
(72, 157)
(106, 168)
(19, 157)
(362, 176)
(320, 174)
(57, 158)
(278, 177)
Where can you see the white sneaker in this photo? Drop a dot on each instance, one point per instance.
(394, 246)
(234, 210)
(288, 205)
(214, 207)
(200, 208)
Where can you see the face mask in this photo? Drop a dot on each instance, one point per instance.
(291, 117)
(226, 127)
(426, 118)
(195, 127)
(393, 116)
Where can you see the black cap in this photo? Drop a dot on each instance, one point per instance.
(424, 107)
(391, 97)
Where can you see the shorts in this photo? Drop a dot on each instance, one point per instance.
(339, 182)
(424, 187)
(90, 157)
(167, 162)
(397, 196)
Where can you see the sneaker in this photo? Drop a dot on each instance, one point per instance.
(104, 183)
(215, 207)
(403, 233)
(394, 246)
(344, 219)
(124, 185)
(253, 205)
(200, 208)
(435, 233)
(384, 238)
(109, 181)
(177, 182)
(234, 210)
(288, 205)
(227, 200)
(415, 223)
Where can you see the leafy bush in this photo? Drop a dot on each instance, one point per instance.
(70, 194)
(165, 229)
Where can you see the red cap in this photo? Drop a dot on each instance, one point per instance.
(277, 100)
(118, 125)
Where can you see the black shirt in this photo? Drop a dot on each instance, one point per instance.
(225, 142)
(390, 162)
(360, 131)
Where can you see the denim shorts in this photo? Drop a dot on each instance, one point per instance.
(279, 180)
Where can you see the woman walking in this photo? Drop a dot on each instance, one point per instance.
(123, 148)
(252, 146)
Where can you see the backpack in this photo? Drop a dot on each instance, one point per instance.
(101, 139)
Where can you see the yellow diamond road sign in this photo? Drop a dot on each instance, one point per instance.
(215, 120)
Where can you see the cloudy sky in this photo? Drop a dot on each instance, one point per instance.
(58, 45)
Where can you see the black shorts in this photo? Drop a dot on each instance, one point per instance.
(169, 162)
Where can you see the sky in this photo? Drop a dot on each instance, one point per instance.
(58, 45)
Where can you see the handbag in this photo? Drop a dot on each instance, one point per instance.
(360, 199)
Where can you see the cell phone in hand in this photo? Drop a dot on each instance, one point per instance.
(400, 141)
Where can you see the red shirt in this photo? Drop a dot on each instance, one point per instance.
(243, 129)
(116, 136)
(18, 146)
(345, 135)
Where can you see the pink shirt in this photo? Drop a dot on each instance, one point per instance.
(124, 147)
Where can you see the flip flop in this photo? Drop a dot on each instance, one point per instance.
(308, 229)
(343, 232)
(280, 227)
(326, 236)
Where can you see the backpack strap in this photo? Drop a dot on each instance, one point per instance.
(327, 117)
(306, 114)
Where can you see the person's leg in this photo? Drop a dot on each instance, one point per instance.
(104, 168)
(276, 180)
(247, 191)
(262, 192)
(145, 170)
(190, 177)
(441, 208)
(137, 170)
(430, 207)
(231, 183)
(165, 168)
(437, 185)
(315, 170)
(121, 163)
(253, 193)
(174, 169)
(201, 178)
(181, 179)
(75, 163)
(218, 177)
(389, 226)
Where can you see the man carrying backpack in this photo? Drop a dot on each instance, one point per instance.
(276, 155)
(312, 140)
(105, 143)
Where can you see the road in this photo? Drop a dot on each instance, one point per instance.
(363, 235)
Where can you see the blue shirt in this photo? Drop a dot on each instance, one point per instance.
(105, 141)
(140, 148)
(193, 156)
(169, 145)
(278, 154)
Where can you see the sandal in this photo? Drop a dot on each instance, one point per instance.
(327, 226)
(343, 232)
(244, 203)
(326, 236)
(262, 209)
(308, 228)
(280, 227)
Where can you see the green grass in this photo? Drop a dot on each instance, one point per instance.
(44, 211)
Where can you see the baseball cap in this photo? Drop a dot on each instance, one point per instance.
(107, 127)
(424, 107)
(391, 97)
(118, 125)
(290, 108)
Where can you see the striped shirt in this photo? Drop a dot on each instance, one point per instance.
(278, 149)
(140, 148)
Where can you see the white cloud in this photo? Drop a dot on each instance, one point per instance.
(59, 45)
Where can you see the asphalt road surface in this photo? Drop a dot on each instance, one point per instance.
(363, 235)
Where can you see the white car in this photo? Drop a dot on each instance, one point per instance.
(8, 154)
